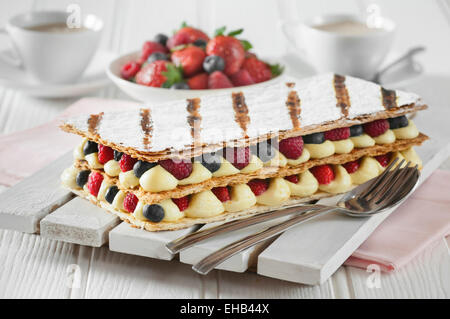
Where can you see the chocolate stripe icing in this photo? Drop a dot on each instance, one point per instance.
(94, 122)
(194, 119)
(343, 100)
(147, 127)
(241, 111)
(293, 105)
(388, 98)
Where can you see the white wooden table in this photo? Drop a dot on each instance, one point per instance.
(32, 266)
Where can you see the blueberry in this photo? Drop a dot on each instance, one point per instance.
(111, 193)
(314, 138)
(212, 161)
(90, 147)
(263, 150)
(154, 212)
(180, 86)
(161, 38)
(398, 122)
(213, 63)
(356, 130)
(140, 167)
(157, 56)
(82, 177)
(117, 155)
(200, 43)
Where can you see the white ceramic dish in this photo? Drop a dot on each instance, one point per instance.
(152, 94)
(92, 79)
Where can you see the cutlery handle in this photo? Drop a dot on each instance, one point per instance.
(211, 261)
(189, 240)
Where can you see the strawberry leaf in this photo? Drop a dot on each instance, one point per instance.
(220, 31)
(183, 25)
(247, 45)
(276, 69)
(174, 74)
(235, 32)
(178, 47)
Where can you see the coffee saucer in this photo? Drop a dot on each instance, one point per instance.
(93, 78)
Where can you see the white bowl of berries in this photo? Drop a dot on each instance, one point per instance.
(191, 64)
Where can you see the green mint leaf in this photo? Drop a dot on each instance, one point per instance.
(174, 74)
(276, 69)
(235, 32)
(247, 45)
(183, 25)
(220, 31)
(178, 47)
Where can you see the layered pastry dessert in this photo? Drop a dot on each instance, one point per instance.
(195, 161)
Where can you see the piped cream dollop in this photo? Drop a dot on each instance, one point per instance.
(204, 204)
(279, 160)
(78, 150)
(303, 158)
(102, 191)
(364, 140)
(320, 150)
(117, 203)
(343, 146)
(306, 186)
(387, 137)
(93, 162)
(226, 168)
(254, 165)
(157, 179)
(69, 177)
(128, 179)
(277, 193)
(242, 198)
(171, 211)
(368, 169)
(112, 168)
(407, 132)
(411, 155)
(341, 183)
(199, 174)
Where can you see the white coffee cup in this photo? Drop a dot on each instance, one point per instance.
(359, 54)
(52, 57)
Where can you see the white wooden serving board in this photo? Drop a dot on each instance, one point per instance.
(309, 254)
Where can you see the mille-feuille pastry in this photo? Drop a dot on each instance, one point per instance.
(195, 161)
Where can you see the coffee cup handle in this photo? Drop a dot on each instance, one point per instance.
(285, 27)
(6, 56)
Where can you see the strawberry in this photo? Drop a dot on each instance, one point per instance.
(190, 58)
(323, 173)
(198, 82)
(293, 179)
(150, 47)
(337, 134)
(218, 80)
(221, 193)
(238, 156)
(228, 48)
(126, 163)
(152, 74)
(376, 128)
(105, 154)
(351, 167)
(258, 70)
(258, 186)
(94, 182)
(130, 202)
(241, 78)
(291, 147)
(180, 169)
(182, 202)
(129, 70)
(383, 159)
(186, 35)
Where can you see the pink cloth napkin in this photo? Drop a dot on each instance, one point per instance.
(25, 152)
(419, 223)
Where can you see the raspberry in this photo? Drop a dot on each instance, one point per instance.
(152, 74)
(351, 167)
(198, 82)
(258, 186)
(323, 173)
(105, 154)
(150, 47)
(179, 168)
(338, 134)
(182, 202)
(129, 70)
(218, 80)
(130, 202)
(238, 156)
(383, 159)
(241, 78)
(291, 147)
(293, 179)
(94, 182)
(376, 128)
(221, 193)
(126, 163)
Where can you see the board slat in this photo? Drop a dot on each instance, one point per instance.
(26, 203)
(79, 222)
